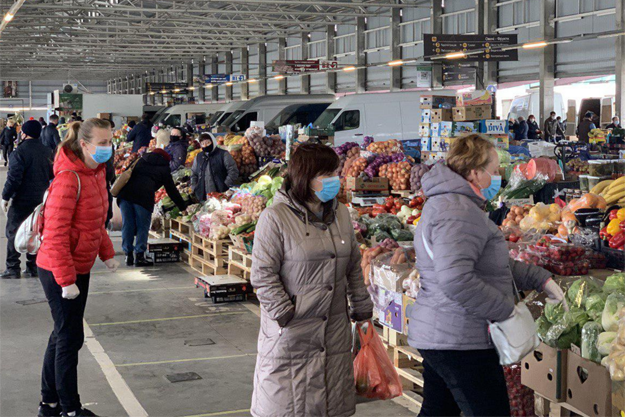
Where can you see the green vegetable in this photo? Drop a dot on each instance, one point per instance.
(613, 304)
(381, 235)
(524, 190)
(242, 229)
(554, 312)
(604, 342)
(590, 335)
(579, 290)
(594, 305)
(614, 283)
(402, 235)
(543, 326)
(568, 338)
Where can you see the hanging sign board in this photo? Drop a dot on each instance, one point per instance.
(424, 76)
(224, 78)
(158, 87)
(459, 74)
(436, 44)
(303, 66)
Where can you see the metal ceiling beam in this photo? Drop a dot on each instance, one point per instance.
(354, 4)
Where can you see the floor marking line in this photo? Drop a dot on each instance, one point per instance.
(120, 388)
(168, 318)
(142, 290)
(125, 365)
(253, 308)
(221, 413)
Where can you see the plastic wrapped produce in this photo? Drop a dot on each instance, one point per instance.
(615, 361)
(521, 398)
(614, 283)
(613, 305)
(590, 336)
(345, 149)
(390, 270)
(594, 305)
(354, 166)
(402, 235)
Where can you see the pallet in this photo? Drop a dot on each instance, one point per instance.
(239, 263)
(181, 227)
(209, 254)
(205, 267)
(544, 407)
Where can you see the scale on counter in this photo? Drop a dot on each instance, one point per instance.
(368, 199)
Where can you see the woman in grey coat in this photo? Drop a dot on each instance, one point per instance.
(466, 281)
(306, 266)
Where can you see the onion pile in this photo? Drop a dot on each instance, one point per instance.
(268, 146)
(416, 173)
(249, 164)
(368, 140)
(354, 166)
(385, 148)
(345, 149)
(398, 175)
(253, 205)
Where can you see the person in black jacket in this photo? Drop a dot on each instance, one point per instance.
(532, 128)
(29, 176)
(214, 170)
(50, 136)
(177, 149)
(141, 134)
(520, 128)
(7, 140)
(136, 201)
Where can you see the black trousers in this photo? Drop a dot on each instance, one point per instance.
(6, 151)
(471, 381)
(59, 378)
(17, 214)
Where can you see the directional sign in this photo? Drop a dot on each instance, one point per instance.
(157, 87)
(224, 78)
(435, 44)
(459, 74)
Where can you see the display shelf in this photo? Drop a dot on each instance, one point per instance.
(217, 248)
(239, 263)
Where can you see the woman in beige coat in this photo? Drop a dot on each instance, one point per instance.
(306, 266)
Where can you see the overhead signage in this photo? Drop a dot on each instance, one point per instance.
(424, 76)
(224, 78)
(157, 87)
(302, 66)
(436, 45)
(459, 74)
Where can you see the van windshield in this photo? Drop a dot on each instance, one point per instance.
(326, 118)
(214, 118)
(172, 120)
(234, 116)
(519, 107)
(280, 119)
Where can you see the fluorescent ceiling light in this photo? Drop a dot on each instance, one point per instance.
(229, 83)
(533, 45)
(251, 80)
(278, 77)
(8, 17)
(396, 63)
(349, 69)
(456, 55)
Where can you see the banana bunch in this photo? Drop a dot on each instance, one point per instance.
(613, 191)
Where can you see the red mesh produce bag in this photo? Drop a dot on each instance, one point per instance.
(374, 372)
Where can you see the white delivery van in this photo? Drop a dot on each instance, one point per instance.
(265, 108)
(384, 116)
(224, 112)
(529, 104)
(179, 114)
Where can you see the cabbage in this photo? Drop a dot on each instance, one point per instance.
(554, 312)
(614, 283)
(504, 157)
(594, 306)
(264, 180)
(402, 235)
(568, 338)
(604, 342)
(575, 316)
(590, 335)
(579, 290)
(613, 304)
(542, 327)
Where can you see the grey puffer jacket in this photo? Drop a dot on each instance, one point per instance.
(469, 279)
(304, 271)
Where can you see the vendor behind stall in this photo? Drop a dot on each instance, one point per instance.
(214, 169)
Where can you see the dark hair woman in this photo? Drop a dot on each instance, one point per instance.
(73, 236)
(306, 266)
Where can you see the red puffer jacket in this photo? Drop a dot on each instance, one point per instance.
(73, 231)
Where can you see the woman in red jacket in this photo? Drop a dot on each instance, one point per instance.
(73, 236)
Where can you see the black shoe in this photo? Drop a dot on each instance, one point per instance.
(130, 259)
(46, 411)
(82, 413)
(141, 260)
(30, 273)
(11, 274)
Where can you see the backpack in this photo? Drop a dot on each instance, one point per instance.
(28, 237)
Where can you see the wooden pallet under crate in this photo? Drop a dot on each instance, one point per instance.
(239, 263)
(408, 364)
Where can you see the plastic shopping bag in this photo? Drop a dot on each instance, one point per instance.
(374, 372)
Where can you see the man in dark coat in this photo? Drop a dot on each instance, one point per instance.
(532, 128)
(520, 129)
(141, 134)
(50, 135)
(584, 128)
(214, 170)
(177, 149)
(29, 176)
(7, 140)
(616, 124)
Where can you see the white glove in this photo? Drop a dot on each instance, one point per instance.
(5, 206)
(555, 294)
(112, 265)
(70, 292)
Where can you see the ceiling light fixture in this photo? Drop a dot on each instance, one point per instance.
(349, 69)
(251, 80)
(229, 84)
(532, 45)
(8, 17)
(395, 63)
(456, 55)
(278, 77)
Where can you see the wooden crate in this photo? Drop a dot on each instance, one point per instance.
(206, 267)
(239, 263)
(182, 227)
(210, 253)
(544, 407)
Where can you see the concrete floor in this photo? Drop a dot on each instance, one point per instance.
(140, 325)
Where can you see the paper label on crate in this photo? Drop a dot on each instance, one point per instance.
(446, 129)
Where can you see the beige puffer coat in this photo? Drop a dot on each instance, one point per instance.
(304, 271)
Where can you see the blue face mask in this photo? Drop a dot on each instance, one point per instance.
(330, 189)
(102, 154)
(494, 187)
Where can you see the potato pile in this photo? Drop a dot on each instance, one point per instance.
(416, 173)
(398, 175)
(354, 166)
(515, 215)
(249, 164)
(385, 148)
(253, 205)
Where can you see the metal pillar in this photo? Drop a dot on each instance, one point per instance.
(229, 71)
(361, 58)
(214, 70)
(201, 92)
(305, 78)
(189, 77)
(547, 59)
(490, 27)
(262, 69)
(108, 87)
(245, 70)
(282, 55)
(436, 23)
(620, 56)
(330, 75)
(396, 72)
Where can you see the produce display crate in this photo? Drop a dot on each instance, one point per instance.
(181, 227)
(206, 267)
(544, 371)
(209, 255)
(239, 262)
(242, 243)
(588, 387)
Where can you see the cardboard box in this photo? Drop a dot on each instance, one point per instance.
(426, 144)
(618, 395)
(435, 102)
(430, 157)
(359, 184)
(424, 130)
(391, 315)
(463, 128)
(437, 145)
(435, 130)
(224, 288)
(441, 115)
(105, 116)
(164, 250)
(502, 142)
(446, 129)
(544, 371)
(472, 113)
(494, 127)
(474, 98)
(588, 386)
(407, 305)
(426, 116)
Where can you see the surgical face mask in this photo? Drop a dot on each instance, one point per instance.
(329, 190)
(102, 154)
(616, 123)
(495, 185)
(174, 138)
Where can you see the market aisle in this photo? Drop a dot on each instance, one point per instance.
(152, 323)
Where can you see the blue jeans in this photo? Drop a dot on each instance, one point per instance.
(136, 221)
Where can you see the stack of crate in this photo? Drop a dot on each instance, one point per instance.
(436, 112)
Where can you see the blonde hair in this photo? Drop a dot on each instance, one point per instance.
(162, 138)
(468, 153)
(82, 131)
